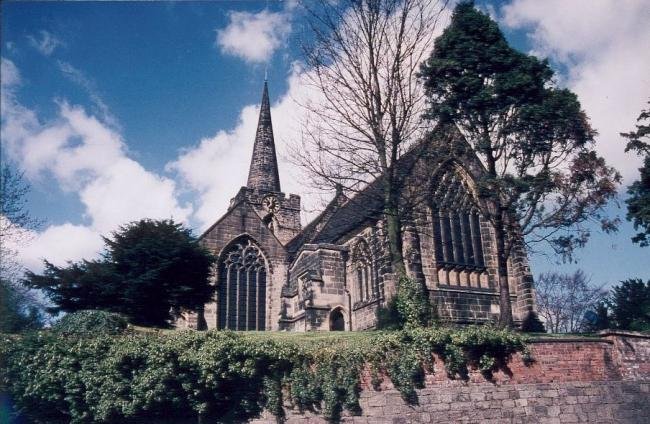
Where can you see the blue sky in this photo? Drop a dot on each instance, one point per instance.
(119, 110)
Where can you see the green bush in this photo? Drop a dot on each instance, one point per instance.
(225, 376)
(91, 322)
(413, 304)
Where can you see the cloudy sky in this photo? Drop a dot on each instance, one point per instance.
(118, 111)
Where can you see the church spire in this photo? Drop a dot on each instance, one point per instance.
(263, 174)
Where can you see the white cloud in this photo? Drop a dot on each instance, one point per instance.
(87, 157)
(604, 46)
(59, 244)
(254, 37)
(9, 75)
(46, 43)
(89, 86)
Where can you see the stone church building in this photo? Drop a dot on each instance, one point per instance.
(333, 274)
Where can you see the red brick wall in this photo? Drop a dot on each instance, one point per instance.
(604, 380)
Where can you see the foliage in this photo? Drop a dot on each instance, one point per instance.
(630, 305)
(532, 324)
(18, 311)
(388, 317)
(91, 322)
(225, 376)
(563, 300)
(413, 304)
(149, 271)
(638, 204)
(540, 174)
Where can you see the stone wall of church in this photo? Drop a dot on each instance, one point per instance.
(316, 287)
(380, 285)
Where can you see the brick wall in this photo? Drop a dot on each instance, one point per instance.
(601, 380)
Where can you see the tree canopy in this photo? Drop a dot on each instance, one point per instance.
(630, 305)
(542, 178)
(638, 202)
(149, 272)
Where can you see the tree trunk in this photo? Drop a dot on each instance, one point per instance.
(505, 314)
(394, 229)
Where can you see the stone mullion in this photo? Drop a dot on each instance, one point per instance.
(437, 236)
(444, 235)
(454, 237)
(476, 238)
(467, 239)
(261, 315)
(239, 271)
(247, 284)
(227, 314)
(257, 304)
(365, 281)
(360, 282)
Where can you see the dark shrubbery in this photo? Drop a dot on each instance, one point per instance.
(226, 376)
(91, 322)
(532, 324)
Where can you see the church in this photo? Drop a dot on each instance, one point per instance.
(334, 273)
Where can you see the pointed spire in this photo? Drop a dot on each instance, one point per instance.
(263, 174)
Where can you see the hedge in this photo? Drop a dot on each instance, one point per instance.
(227, 376)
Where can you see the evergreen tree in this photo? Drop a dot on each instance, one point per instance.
(18, 311)
(541, 177)
(638, 204)
(630, 305)
(149, 271)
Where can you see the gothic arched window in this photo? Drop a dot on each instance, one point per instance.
(241, 295)
(365, 281)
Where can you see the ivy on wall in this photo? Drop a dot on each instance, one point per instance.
(228, 376)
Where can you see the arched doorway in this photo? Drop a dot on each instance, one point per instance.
(337, 322)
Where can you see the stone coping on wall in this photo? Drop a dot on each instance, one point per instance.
(624, 333)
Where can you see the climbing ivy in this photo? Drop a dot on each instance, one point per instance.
(228, 376)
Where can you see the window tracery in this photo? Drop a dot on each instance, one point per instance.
(241, 295)
(458, 247)
(367, 287)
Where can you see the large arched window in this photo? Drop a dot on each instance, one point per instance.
(457, 238)
(241, 295)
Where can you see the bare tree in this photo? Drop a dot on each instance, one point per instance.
(20, 308)
(563, 299)
(15, 220)
(363, 57)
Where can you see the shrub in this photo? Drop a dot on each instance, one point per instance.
(388, 318)
(413, 303)
(91, 322)
(532, 324)
(225, 376)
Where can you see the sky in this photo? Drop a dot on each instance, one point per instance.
(118, 111)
